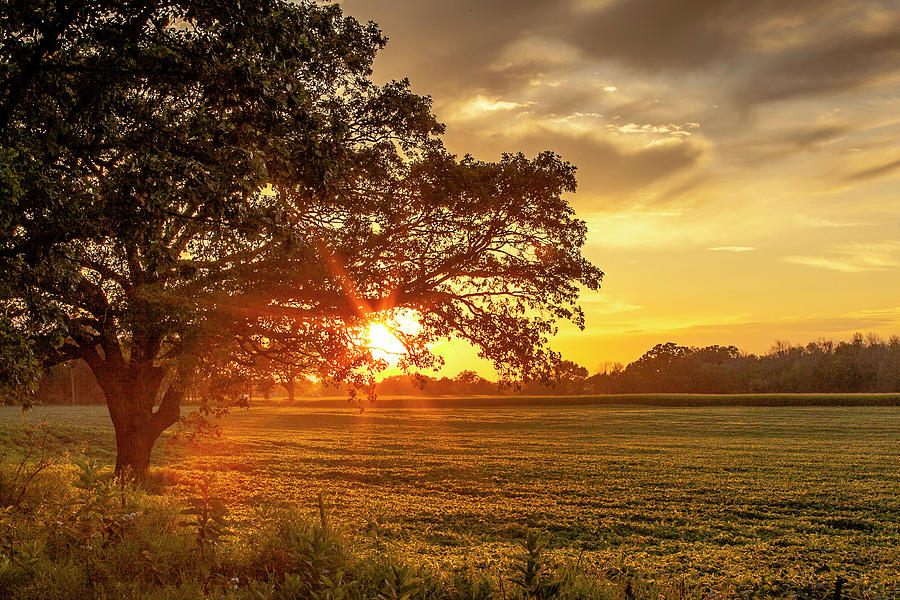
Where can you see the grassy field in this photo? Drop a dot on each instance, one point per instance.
(725, 496)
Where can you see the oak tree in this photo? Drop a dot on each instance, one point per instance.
(190, 189)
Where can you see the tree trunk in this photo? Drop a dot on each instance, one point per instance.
(134, 443)
(131, 392)
(289, 385)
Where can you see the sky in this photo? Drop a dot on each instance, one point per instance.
(738, 162)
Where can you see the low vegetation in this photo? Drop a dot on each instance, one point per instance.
(577, 502)
(77, 531)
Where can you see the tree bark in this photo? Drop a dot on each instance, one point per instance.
(289, 385)
(131, 393)
(134, 443)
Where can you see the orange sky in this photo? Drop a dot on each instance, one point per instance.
(739, 162)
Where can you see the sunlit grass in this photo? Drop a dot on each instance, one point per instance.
(709, 494)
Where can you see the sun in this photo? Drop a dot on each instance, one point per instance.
(383, 342)
(382, 336)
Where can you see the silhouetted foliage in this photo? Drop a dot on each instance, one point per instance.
(191, 192)
(859, 366)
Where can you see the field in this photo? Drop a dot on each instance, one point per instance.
(722, 496)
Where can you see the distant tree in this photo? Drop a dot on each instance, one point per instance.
(469, 382)
(187, 186)
(397, 385)
(607, 379)
(662, 355)
(660, 368)
(289, 379)
(56, 385)
(265, 384)
(570, 378)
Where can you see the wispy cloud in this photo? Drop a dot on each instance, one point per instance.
(873, 172)
(854, 60)
(664, 325)
(732, 248)
(834, 264)
(479, 105)
(807, 221)
(855, 257)
(604, 304)
(839, 323)
(645, 128)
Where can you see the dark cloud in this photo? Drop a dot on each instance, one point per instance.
(770, 146)
(703, 61)
(839, 65)
(612, 172)
(440, 45)
(761, 50)
(873, 172)
(804, 138)
(688, 34)
(767, 49)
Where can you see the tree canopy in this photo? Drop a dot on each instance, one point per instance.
(193, 188)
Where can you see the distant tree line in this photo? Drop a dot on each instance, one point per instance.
(864, 364)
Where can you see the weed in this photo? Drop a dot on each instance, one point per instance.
(209, 524)
(534, 576)
(399, 582)
(21, 461)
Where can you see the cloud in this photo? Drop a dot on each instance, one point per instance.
(533, 52)
(480, 106)
(732, 248)
(834, 264)
(855, 257)
(607, 169)
(729, 326)
(601, 303)
(765, 144)
(668, 129)
(446, 48)
(874, 172)
(807, 221)
(764, 51)
(645, 324)
(856, 60)
(689, 34)
(863, 320)
(647, 97)
(647, 230)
